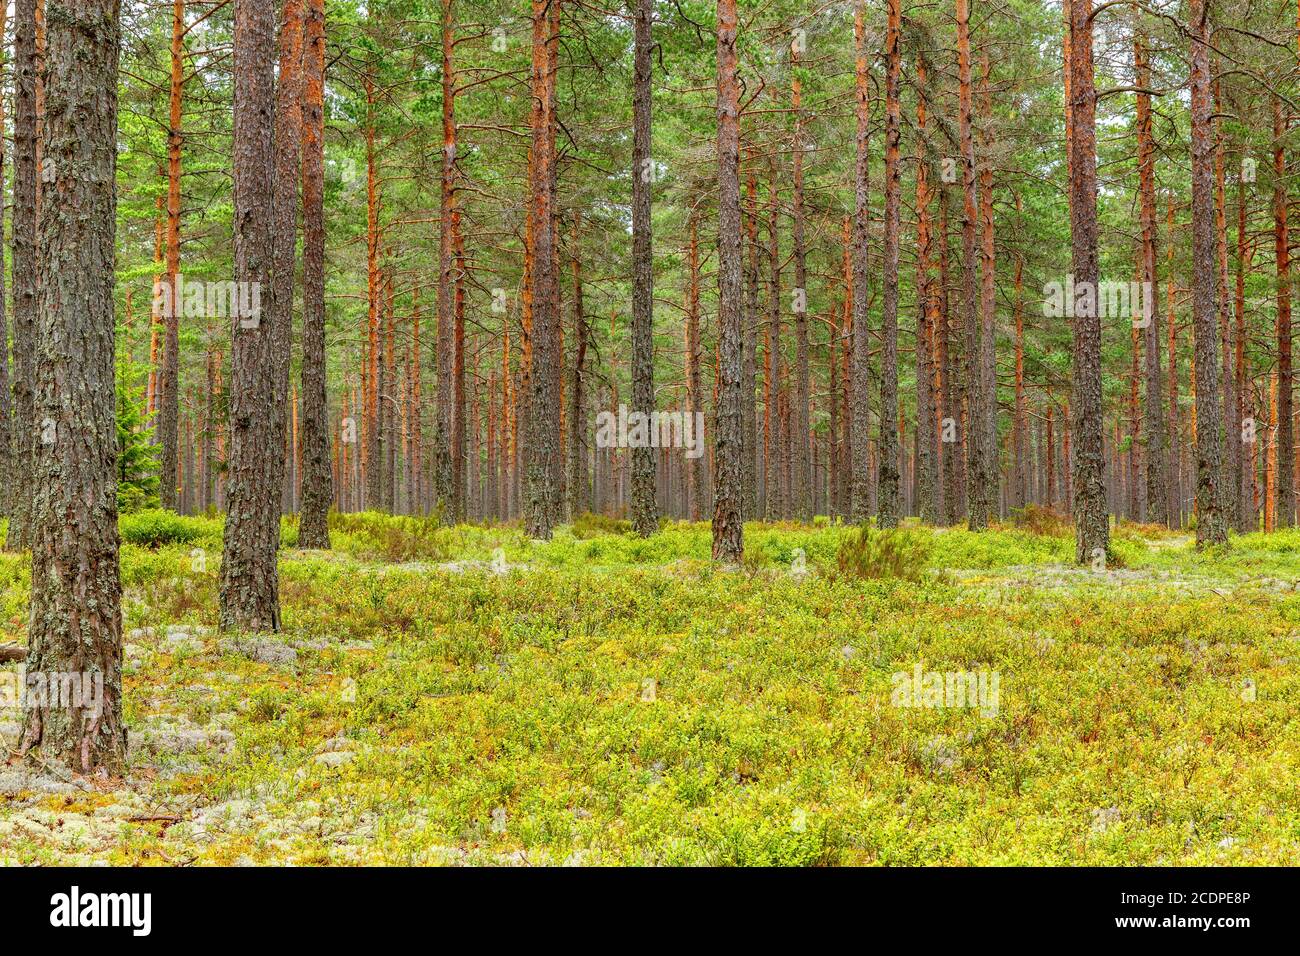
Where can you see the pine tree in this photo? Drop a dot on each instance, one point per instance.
(137, 455)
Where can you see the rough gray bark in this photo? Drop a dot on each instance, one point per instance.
(24, 269)
(543, 467)
(249, 595)
(75, 629)
(1283, 436)
(443, 478)
(1211, 526)
(1091, 521)
(317, 477)
(888, 481)
(645, 512)
(859, 419)
(1019, 495)
(976, 481)
(6, 408)
(728, 530)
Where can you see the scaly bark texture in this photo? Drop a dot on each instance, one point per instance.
(1020, 478)
(317, 485)
(728, 530)
(860, 417)
(645, 511)
(1211, 526)
(448, 500)
(6, 407)
(75, 627)
(1091, 523)
(976, 480)
(1283, 504)
(369, 448)
(250, 594)
(25, 426)
(543, 465)
(888, 482)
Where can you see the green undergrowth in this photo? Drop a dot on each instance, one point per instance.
(607, 699)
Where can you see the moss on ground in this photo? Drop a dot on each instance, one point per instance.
(448, 695)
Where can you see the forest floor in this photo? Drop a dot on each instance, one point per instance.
(464, 695)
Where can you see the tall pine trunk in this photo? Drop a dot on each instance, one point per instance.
(860, 416)
(372, 491)
(1211, 526)
(645, 511)
(728, 531)
(75, 627)
(168, 420)
(6, 407)
(543, 465)
(1091, 521)
(976, 481)
(444, 478)
(888, 482)
(1283, 439)
(249, 594)
(317, 489)
(26, 187)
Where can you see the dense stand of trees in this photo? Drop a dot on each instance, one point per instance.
(888, 263)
